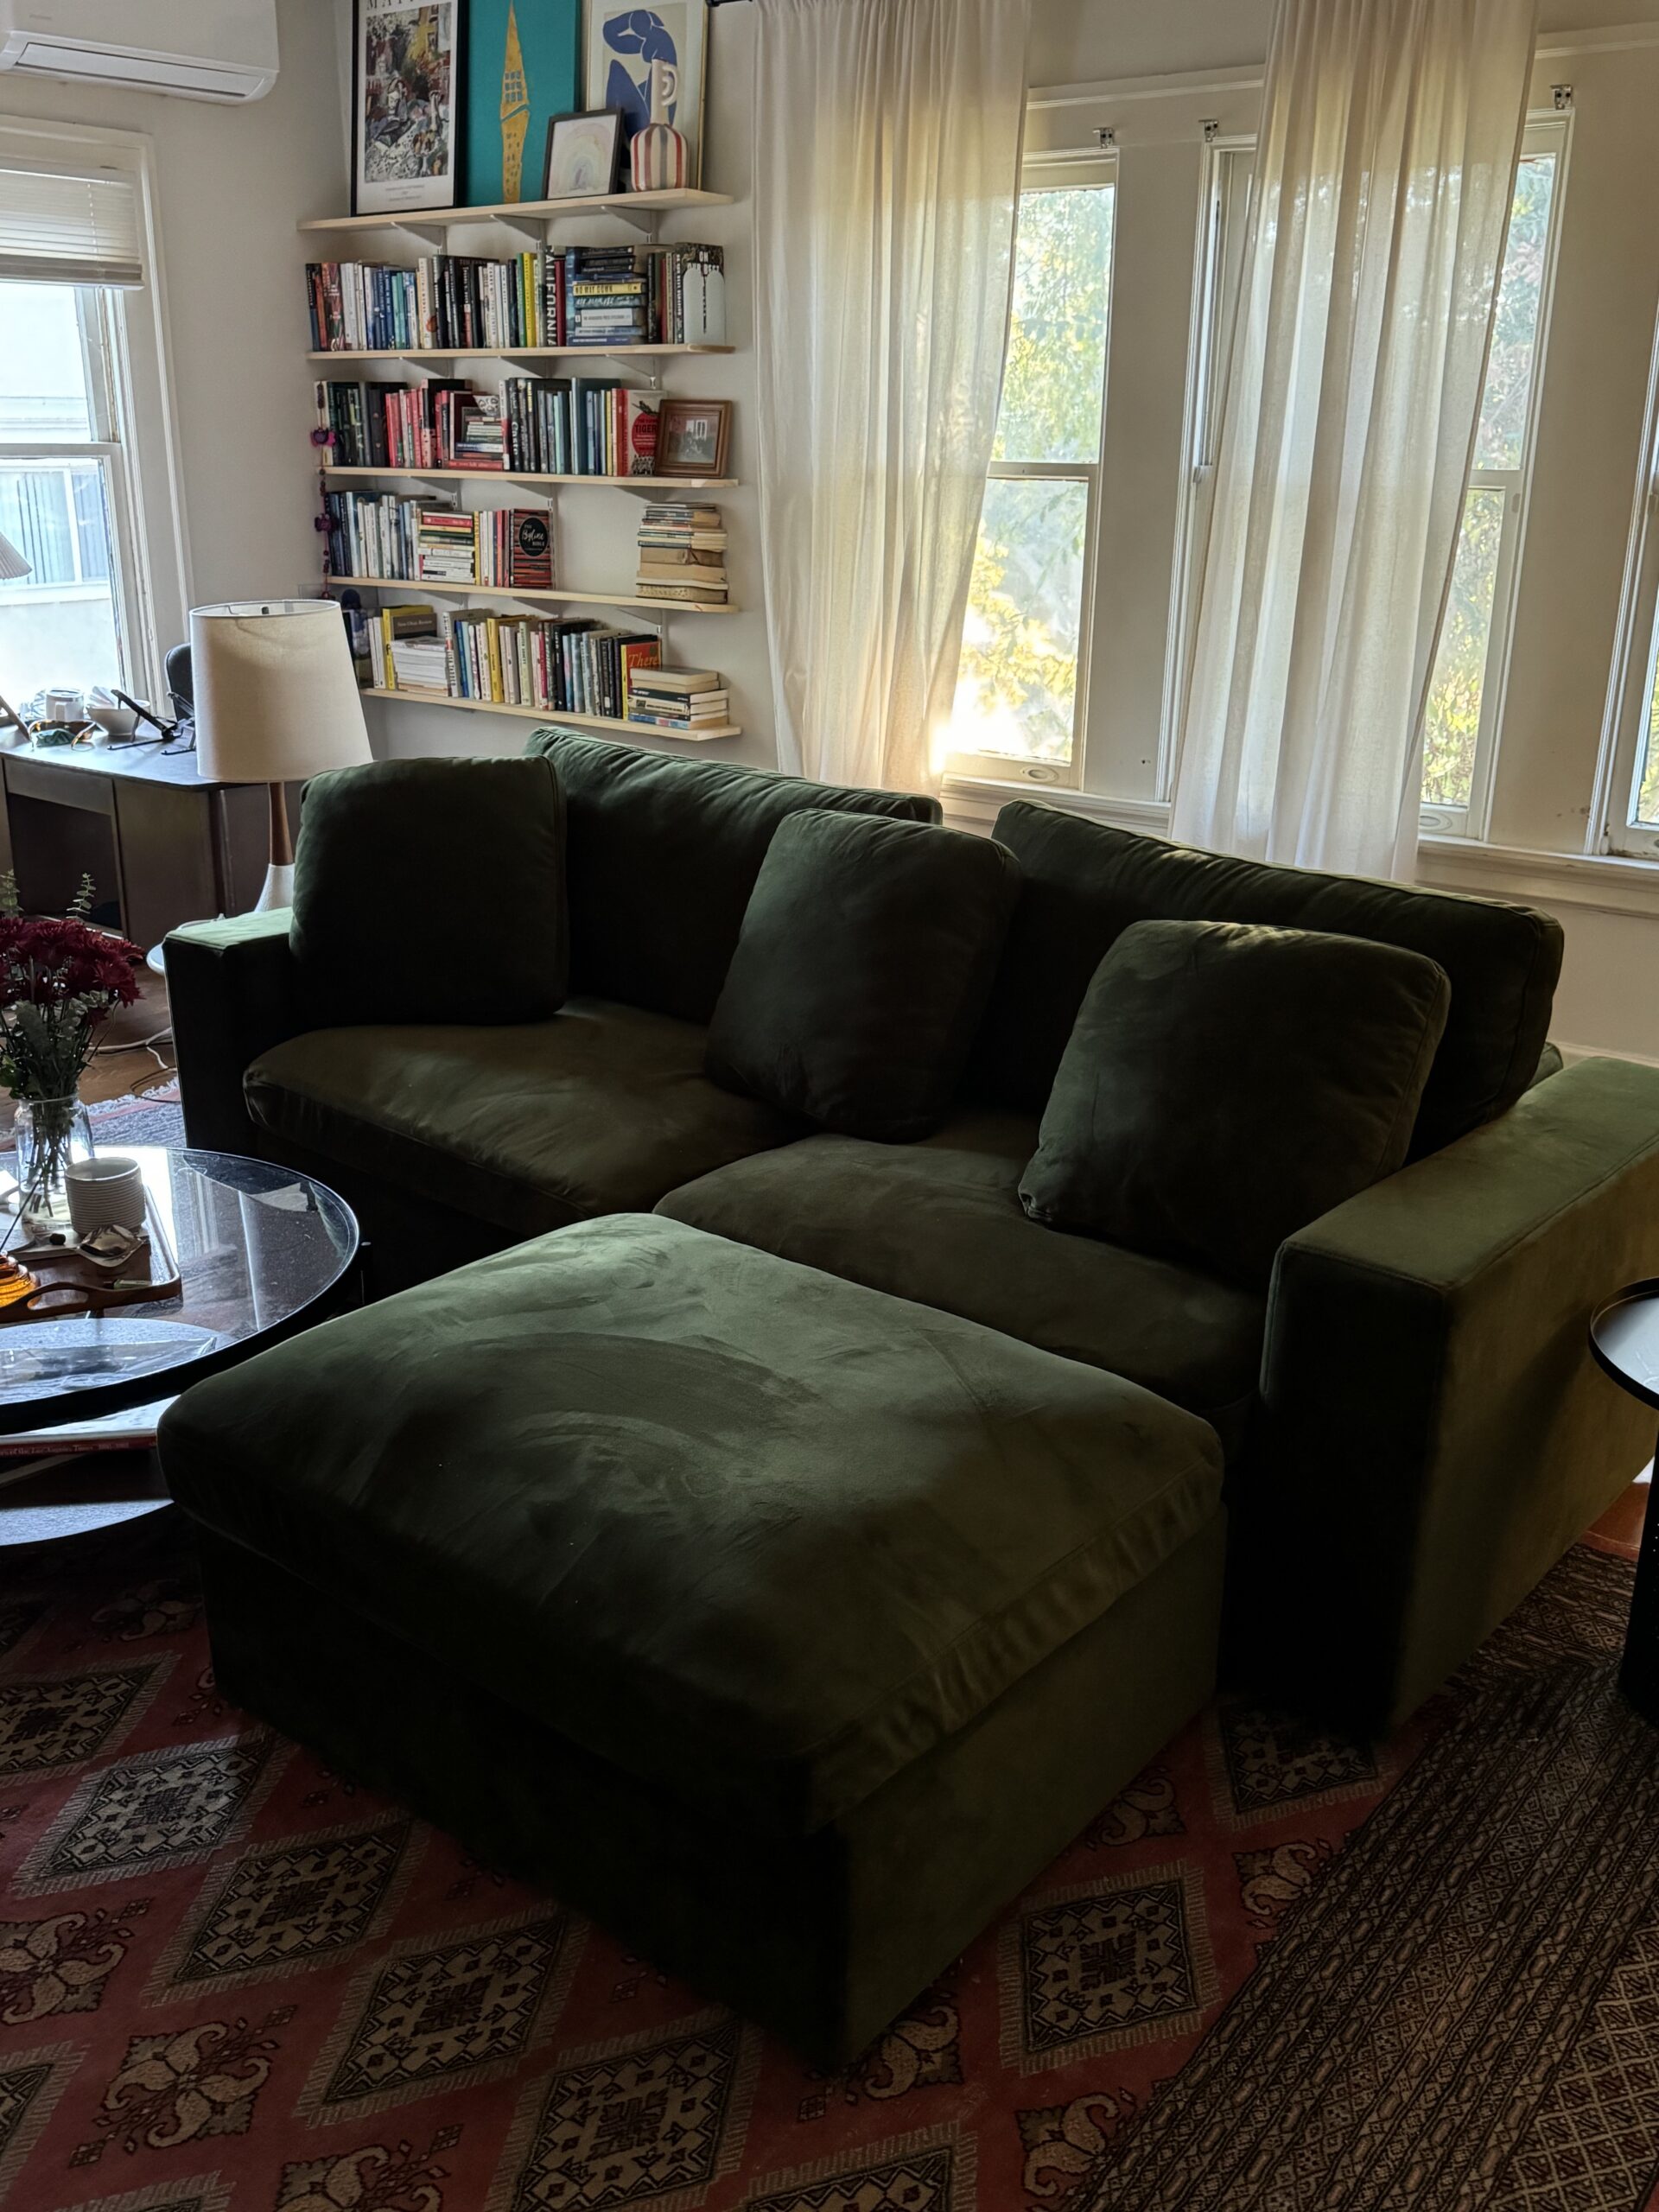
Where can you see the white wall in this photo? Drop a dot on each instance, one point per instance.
(231, 184)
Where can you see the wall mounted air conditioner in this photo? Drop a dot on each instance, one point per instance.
(200, 49)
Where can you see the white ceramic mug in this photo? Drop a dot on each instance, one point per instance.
(106, 1192)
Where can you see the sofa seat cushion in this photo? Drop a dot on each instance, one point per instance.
(758, 1535)
(941, 1222)
(599, 1110)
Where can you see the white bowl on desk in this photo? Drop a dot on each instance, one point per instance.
(113, 720)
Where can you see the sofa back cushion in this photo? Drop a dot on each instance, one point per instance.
(867, 956)
(1084, 883)
(430, 891)
(662, 857)
(1322, 1044)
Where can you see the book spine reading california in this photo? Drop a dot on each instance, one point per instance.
(683, 554)
(554, 666)
(533, 426)
(412, 541)
(583, 295)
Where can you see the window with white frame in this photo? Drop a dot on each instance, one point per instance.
(1466, 696)
(1625, 815)
(1465, 705)
(82, 418)
(1022, 676)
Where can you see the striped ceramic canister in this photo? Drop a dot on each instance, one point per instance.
(660, 155)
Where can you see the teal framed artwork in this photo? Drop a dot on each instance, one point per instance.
(522, 63)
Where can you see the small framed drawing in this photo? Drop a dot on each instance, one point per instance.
(584, 155)
(693, 437)
(408, 61)
(621, 44)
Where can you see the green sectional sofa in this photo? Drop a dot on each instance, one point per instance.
(1412, 1429)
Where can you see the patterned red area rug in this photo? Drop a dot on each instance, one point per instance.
(231, 1982)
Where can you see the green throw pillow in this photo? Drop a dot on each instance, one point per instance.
(1225, 1084)
(430, 891)
(866, 957)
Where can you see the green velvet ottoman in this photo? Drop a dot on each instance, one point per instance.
(786, 1628)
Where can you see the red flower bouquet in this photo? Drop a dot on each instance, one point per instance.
(60, 982)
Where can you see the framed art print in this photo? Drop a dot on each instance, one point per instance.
(693, 437)
(523, 66)
(408, 63)
(584, 155)
(623, 42)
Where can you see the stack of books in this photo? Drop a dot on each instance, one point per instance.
(446, 546)
(606, 292)
(689, 700)
(683, 554)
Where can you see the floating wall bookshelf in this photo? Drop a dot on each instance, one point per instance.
(531, 223)
(418, 356)
(510, 591)
(640, 208)
(558, 714)
(651, 483)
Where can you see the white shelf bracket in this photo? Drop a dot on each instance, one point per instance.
(532, 238)
(432, 235)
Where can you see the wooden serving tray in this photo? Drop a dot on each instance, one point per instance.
(150, 1275)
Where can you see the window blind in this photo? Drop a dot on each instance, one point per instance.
(61, 229)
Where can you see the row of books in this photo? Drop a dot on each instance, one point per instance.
(412, 541)
(579, 296)
(577, 666)
(683, 554)
(554, 426)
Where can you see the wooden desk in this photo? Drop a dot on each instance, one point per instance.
(164, 843)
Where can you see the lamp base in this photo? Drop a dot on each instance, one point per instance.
(278, 890)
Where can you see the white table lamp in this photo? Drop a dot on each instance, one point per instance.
(276, 699)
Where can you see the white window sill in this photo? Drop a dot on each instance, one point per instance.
(1611, 883)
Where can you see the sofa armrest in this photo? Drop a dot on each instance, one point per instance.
(230, 987)
(1434, 1433)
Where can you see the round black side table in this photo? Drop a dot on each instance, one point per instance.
(1624, 1338)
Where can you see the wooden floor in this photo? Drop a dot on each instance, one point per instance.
(1623, 1522)
(124, 1064)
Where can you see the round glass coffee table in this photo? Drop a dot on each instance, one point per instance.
(262, 1252)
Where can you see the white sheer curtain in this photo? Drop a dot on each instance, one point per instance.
(887, 136)
(1384, 171)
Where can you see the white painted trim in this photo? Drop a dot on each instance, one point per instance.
(1554, 46)
(1606, 882)
(1573, 1053)
(977, 799)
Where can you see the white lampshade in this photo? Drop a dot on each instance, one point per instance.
(12, 564)
(276, 695)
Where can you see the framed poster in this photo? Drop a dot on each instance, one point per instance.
(523, 60)
(623, 42)
(408, 61)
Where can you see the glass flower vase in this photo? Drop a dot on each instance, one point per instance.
(48, 1133)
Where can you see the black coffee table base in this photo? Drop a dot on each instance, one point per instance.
(1638, 1673)
(73, 1497)
(1624, 1338)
